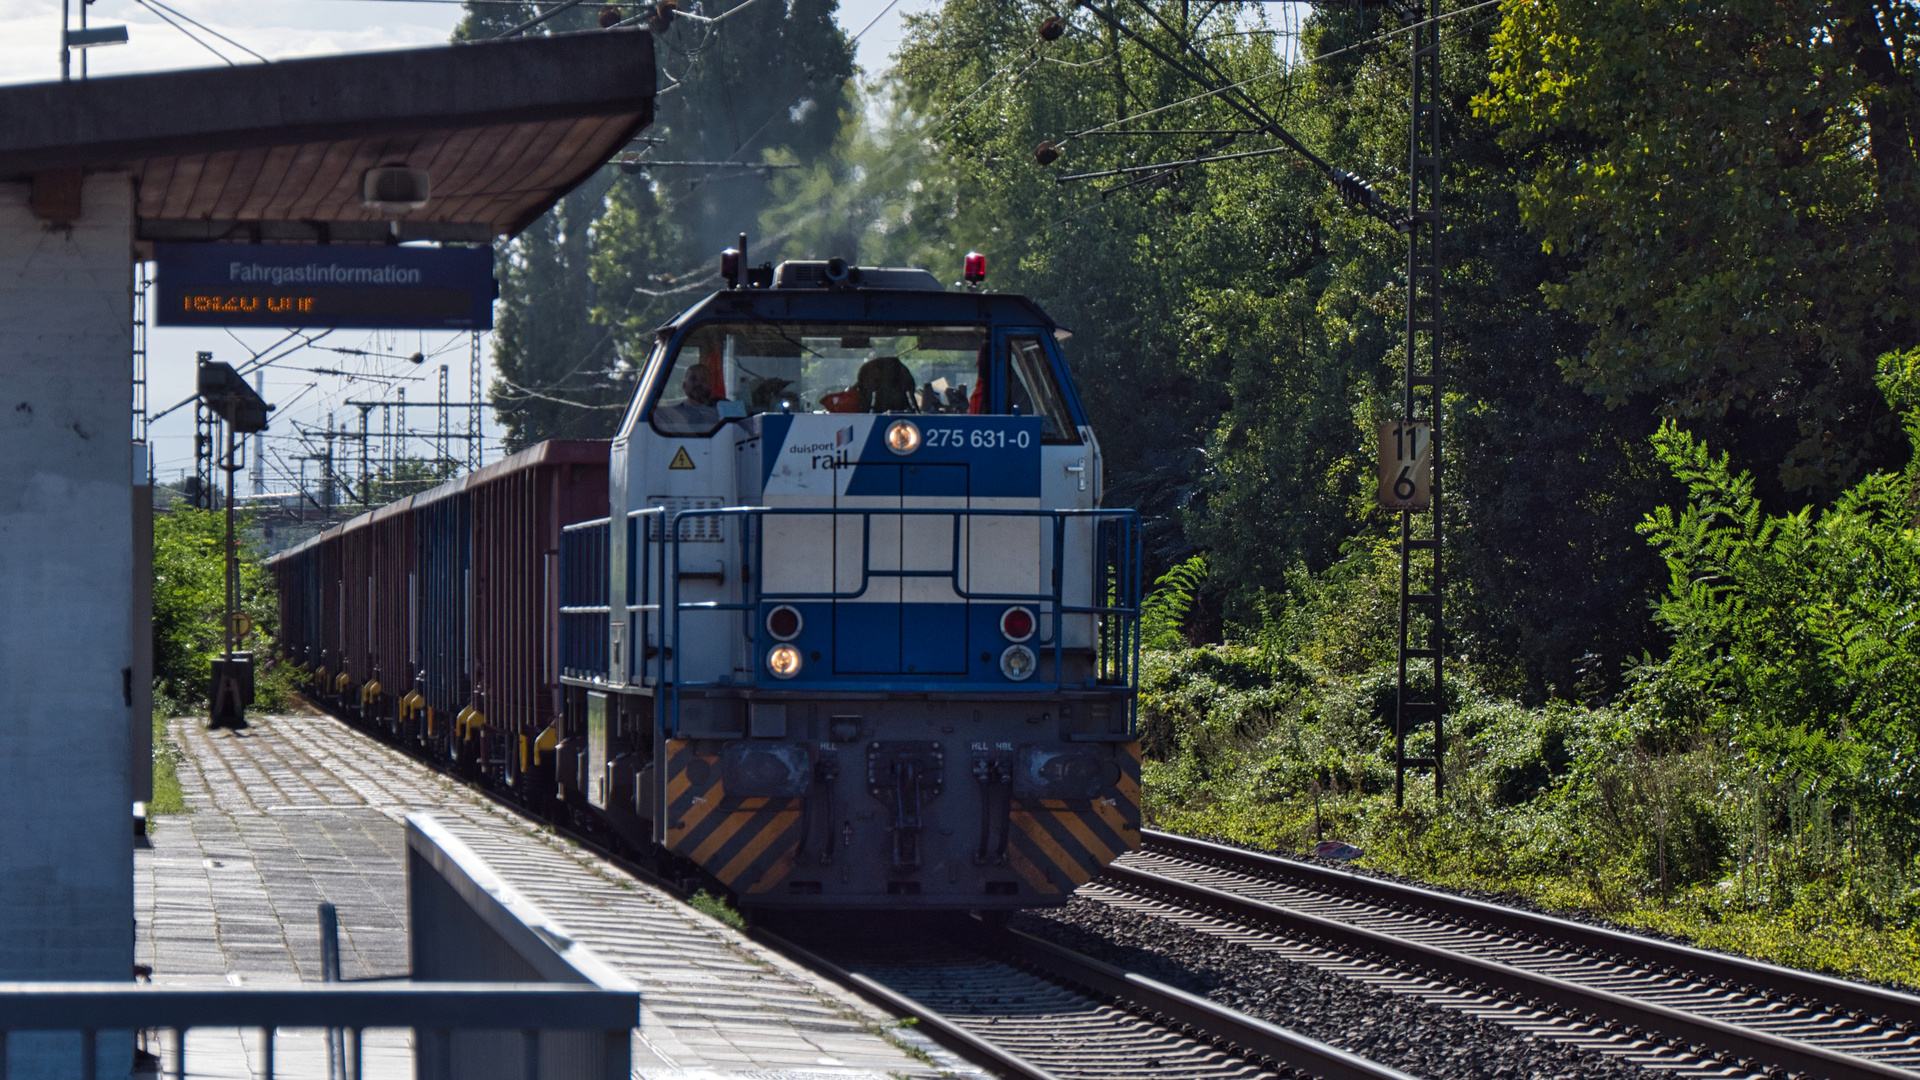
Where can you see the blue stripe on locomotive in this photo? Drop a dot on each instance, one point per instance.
(1001, 463)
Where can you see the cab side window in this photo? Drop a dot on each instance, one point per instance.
(1030, 386)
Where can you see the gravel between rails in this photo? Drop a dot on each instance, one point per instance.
(1389, 1028)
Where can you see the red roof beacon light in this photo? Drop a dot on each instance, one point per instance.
(976, 268)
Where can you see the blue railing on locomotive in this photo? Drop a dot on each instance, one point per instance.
(583, 607)
(1125, 574)
(645, 566)
(826, 615)
(805, 627)
(713, 372)
(954, 573)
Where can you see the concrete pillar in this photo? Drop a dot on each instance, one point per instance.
(66, 566)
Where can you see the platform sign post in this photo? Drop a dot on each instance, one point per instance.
(313, 286)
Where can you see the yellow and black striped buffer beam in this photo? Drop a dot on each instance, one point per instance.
(749, 843)
(1058, 845)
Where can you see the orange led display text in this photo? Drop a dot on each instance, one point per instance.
(218, 302)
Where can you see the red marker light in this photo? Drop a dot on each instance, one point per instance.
(976, 268)
(1016, 624)
(784, 623)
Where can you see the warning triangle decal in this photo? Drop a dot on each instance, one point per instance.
(681, 460)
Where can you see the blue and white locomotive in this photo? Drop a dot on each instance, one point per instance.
(856, 632)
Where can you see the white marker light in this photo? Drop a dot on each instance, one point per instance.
(1017, 663)
(903, 437)
(783, 661)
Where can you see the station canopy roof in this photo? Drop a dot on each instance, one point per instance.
(278, 152)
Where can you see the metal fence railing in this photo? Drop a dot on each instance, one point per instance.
(434, 1011)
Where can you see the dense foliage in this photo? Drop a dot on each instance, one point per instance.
(1755, 787)
(585, 285)
(189, 602)
(1738, 184)
(1679, 238)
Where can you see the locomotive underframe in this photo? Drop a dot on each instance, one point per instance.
(948, 801)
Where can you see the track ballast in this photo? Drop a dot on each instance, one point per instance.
(1660, 1005)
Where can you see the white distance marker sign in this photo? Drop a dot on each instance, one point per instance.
(1406, 465)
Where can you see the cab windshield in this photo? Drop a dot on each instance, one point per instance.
(724, 371)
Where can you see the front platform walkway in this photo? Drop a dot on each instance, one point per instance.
(301, 809)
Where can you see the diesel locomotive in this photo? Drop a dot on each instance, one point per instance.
(842, 623)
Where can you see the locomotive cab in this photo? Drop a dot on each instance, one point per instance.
(857, 632)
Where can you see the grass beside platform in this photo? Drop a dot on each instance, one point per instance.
(167, 797)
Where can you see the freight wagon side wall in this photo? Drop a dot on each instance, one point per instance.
(443, 539)
(506, 597)
(299, 580)
(392, 568)
(333, 634)
(356, 543)
(518, 517)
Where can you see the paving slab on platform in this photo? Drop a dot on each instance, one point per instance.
(301, 809)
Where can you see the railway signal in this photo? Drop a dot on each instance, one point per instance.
(224, 394)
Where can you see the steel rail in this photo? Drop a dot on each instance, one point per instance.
(938, 1027)
(1735, 971)
(1605, 1006)
(1247, 1033)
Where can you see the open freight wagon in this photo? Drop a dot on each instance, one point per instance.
(435, 617)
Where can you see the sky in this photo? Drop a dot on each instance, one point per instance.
(281, 29)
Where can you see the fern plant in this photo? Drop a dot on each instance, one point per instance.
(1166, 610)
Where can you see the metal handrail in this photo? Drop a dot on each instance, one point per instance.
(642, 557)
(1125, 607)
(594, 561)
(439, 1008)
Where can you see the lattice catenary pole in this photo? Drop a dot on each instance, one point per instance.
(475, 450)
(1421, 399)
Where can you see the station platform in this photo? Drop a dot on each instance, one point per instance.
(297, 810)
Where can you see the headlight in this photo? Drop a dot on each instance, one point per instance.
(1016, 663)
(784, 622)
(783, 661)
(903, 437)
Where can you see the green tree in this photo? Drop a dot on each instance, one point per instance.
(1794, 633)
(1239, 329)
(1737, 183)
(189, 598)
(583, 288)
(408, 476)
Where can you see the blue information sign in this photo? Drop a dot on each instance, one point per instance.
(311, 286)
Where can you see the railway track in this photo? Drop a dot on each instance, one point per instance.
(1023, 1007)
(1036, 1011)
(1029, 1008)
(1664, 1006)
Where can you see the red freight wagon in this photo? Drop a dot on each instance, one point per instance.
(437, 616)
